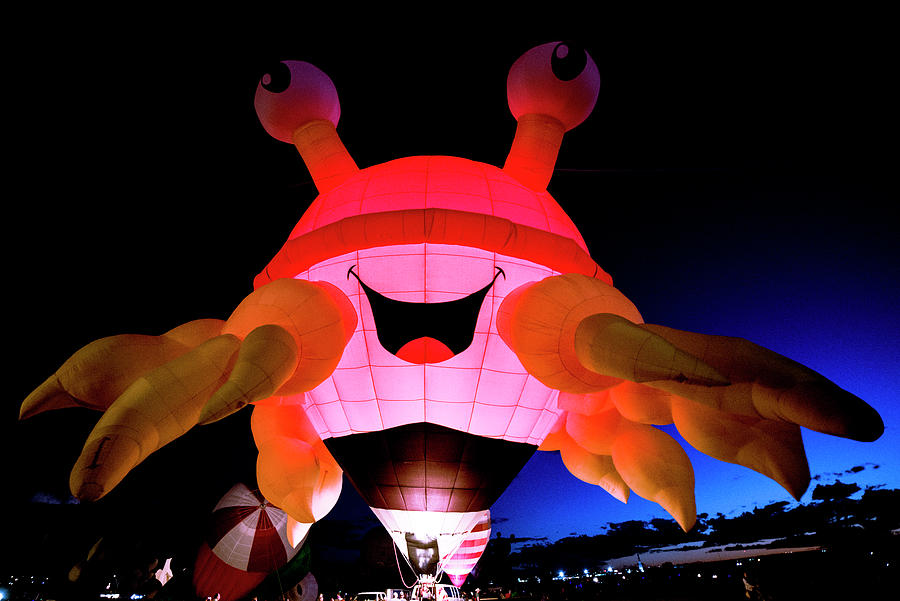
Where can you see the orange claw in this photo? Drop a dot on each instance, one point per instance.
(295, 470)
(99, 372)
(285, 337)
(579, 334)
(594, 469)
(267, 359)
(768, 385)
(731, 399)
(155, 410)
(649, 461)
(614, 346)
(319, 317)
(642, 404)
(770, 447)
(655, 467)
(294, 335)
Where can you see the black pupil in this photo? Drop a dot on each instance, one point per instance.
(279, 78)
(568, 61)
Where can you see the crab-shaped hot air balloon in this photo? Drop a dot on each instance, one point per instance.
(429, 324)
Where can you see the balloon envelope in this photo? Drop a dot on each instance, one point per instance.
(247, 540)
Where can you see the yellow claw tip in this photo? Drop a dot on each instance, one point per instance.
(32, 408)
(679, 505)
(686, 521)
(26, 410)
(88, 491)
(297, 531)
(213, 418)
(617, 492)
(49, 395)
(794, 481)
(823, 406)
(208, 416)
(796, 494)
(866, 425)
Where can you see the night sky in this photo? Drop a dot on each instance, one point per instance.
(734, 178)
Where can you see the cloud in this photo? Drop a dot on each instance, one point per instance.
(848, 472)
(529, 539)
(48, 499)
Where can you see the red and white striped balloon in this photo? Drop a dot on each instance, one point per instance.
(249, 533)
(247, 541)
(461, 562)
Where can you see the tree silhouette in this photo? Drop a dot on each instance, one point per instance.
(831, 518)
(834, 492)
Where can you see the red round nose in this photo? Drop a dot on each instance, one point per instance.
(424, 350)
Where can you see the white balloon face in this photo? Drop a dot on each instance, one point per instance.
(482, 389)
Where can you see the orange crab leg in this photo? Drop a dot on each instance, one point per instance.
(772, 448)
(647, 460)
(642, 404)
(152, 412)
(768, 385)
(593, 468)
(294, 470)
(655, 467)
(101, 371)
(598, 470)
(267, 359)
(284, 338)
(579, 334)
(612, 345)
(729, 398)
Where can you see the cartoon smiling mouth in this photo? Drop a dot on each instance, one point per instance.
(425, 332)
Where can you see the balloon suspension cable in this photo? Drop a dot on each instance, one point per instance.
(399, 569)
(278, 580)
(272, 557)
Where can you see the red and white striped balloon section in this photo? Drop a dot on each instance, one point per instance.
(248, 533)
(246, 542)
(458, 565)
